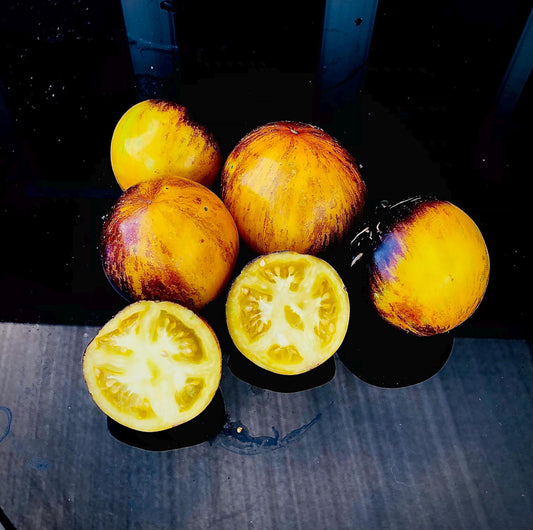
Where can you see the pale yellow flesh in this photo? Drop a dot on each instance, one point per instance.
(153, 366)
(288, 312)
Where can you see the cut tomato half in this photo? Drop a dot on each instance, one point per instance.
(288, 312)
(153, 366)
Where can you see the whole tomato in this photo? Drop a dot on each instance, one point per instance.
(292, 186)
(169, 240)
(428, 264)
(157, 138)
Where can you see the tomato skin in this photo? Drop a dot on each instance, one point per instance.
(169, 239)
(429, 270)
(291, 186)
(157, 138)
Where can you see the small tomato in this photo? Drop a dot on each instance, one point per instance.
(157, 138)
(428, 265)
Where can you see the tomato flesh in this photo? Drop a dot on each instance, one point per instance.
(154, 366)
(287, 312)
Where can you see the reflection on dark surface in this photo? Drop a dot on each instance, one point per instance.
(383, 355)
(196, 431)
(388, 357)
(249, 372)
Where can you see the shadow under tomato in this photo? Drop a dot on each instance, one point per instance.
(383, 355)
(196, 431)
(249, 372)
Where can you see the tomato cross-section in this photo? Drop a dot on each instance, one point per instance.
(153, 366)
(288, 312)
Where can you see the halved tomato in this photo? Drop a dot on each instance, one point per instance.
(153, 366)
(287, 312)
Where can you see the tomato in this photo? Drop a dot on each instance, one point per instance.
(429, 265)
(169, 239)
(287, 312)
(153, 366)
(291, 186)
(157, 138)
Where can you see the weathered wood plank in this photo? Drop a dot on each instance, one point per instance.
(452, 452)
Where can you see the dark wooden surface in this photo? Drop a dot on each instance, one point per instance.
(451, 452)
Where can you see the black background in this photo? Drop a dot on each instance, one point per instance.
(432, 76)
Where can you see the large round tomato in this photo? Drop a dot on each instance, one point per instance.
(169, 239)
(429, 265)
(157, 138)
(291, 186)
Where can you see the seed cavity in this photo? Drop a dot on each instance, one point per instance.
(251, 302)
(284, 273)
(189, 394)
(293, 318)
(284, 354)
(111, 340)
(328, 310)
(182, 344)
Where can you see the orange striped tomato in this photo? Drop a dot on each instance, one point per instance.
(291, 186)
(430, 268)
(169, 239)
(157, 138)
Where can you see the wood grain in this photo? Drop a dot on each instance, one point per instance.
(452, 452)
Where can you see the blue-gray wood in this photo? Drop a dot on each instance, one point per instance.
(451, 452)
(151, 32)
(346, 37)
(517, 74)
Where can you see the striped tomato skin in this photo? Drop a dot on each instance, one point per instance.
(430, 269)
(292, 186)
(158, 138)
(169, 239)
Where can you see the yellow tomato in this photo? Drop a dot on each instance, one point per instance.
(157, 138)
(169, 239)
(288, 312)
(430, 271)
(291, 186)
(153, 366)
